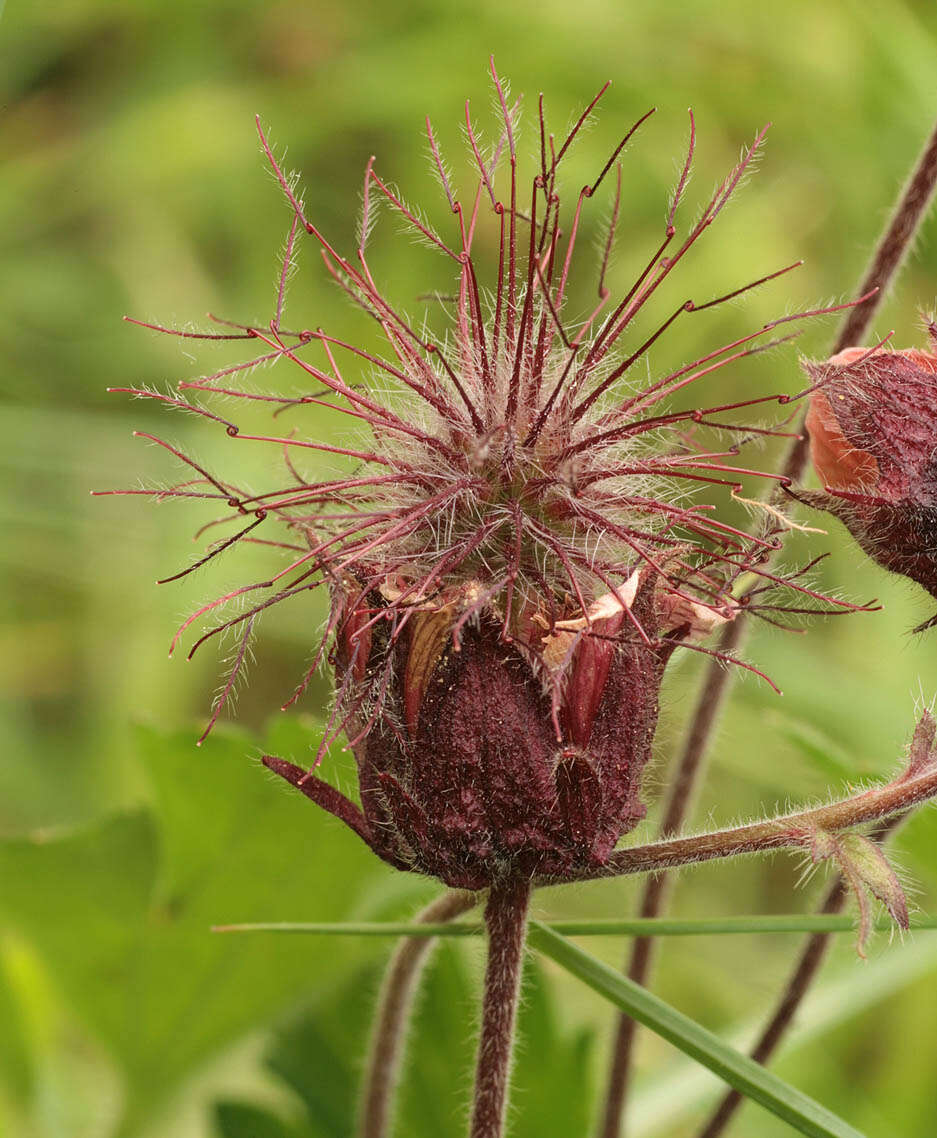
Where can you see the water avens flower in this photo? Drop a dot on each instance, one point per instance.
(514, 545)
(512, 548)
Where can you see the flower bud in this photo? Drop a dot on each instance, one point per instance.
(873, 440)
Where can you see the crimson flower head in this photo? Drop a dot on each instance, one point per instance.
(873, 439)
(511, 545)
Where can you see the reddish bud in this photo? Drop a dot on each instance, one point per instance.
(873, 436)
(523, 754)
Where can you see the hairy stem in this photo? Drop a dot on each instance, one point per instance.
(393, 1013)
(506, 918)
(891, 251)
(788, 831)
(804, 972)
(889, 255)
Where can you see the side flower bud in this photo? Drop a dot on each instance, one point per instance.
(872, 423)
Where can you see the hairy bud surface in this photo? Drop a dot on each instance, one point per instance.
(873, 437)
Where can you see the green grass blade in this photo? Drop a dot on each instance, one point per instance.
(655, 926)
(679, 1093)
(356, 928)
(736, 1069)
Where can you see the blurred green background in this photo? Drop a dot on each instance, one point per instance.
(133, 183)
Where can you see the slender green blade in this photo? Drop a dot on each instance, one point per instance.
(736, 1069)
(355, 928)
(653, 926)
(679, 1093)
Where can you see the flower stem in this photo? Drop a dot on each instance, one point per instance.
(805, 970)
(889, 255)
(506, 918)
(788, 831)
(393, 1013)
(893, 247)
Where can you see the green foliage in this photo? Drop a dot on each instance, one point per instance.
(564, 1103)
(132, 183)
(16, 1073)
(319, 1057)
(319, 1054)
(235, 1119)
(829, 758)
(780, 1098)
(867, 872)
(119, 912)
(117, 916)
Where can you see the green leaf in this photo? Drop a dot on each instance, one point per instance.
(82, 898)
(736, 1069)
(16, 1059)
(319, 1055)
(234, 1119)
(120, 912)
(563, 1102)
(823, 753)
(441, 1053)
